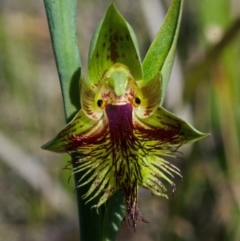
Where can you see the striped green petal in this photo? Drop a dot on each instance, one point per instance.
(77, 134)
(88, 103)
(151, 96)
(167, 129)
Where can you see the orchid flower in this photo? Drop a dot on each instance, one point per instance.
(122, 134)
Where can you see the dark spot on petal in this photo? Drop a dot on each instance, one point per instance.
(121, 38)
(110, 29)
(105, 35)
(104, 44)
(97, 55)
(115, 37)
(123, 55)
(113, 52)
(127, 37)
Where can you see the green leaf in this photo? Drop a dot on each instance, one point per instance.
(160, 56)
(113, 42)
(63, 29)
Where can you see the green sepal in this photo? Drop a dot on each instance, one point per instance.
(113, 42)
(160, 56)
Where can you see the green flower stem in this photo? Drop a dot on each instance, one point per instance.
(61, 16)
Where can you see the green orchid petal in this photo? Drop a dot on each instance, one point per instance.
(88, 102)
(160, 56)
(151, 96)
(113, 42)
(166, 129)
(76, 134)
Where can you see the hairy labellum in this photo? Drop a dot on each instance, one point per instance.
(122, 136)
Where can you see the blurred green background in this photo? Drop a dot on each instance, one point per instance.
(37, 200)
